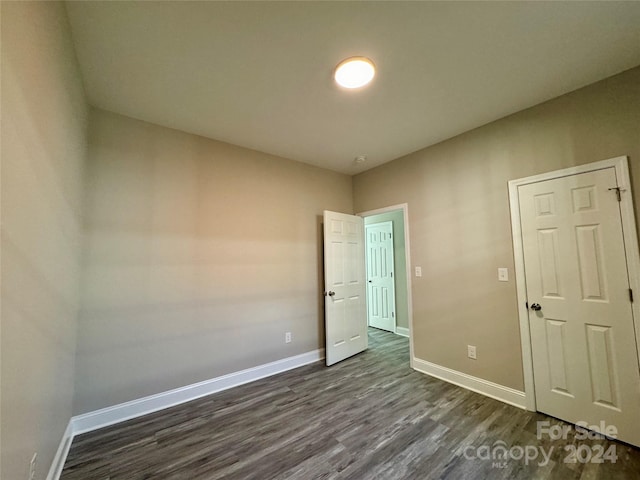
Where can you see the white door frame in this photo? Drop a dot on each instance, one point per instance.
(407, 248)
(393, 251)
(630, 242)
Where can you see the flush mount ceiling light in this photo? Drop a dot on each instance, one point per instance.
(354, 72)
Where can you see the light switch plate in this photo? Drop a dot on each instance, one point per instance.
(503, 274)
(418, 271)
(471, 352)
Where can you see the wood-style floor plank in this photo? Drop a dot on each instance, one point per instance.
(368, 417)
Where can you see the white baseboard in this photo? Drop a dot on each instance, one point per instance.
(104, 417)
(143, 406)
(402, 331)
(61, 454)
(475, 384)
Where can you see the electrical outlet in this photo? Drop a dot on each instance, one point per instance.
(418, 271)
(471, 352)
(287, 337)
(32, 466)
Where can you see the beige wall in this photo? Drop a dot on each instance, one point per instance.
(459, 216)
(399, 262)
(43, 140)
(199, 256)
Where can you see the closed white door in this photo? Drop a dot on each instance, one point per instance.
(585, 359)
(381, 303)
(344, 278)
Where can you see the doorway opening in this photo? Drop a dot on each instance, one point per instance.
(390, 310)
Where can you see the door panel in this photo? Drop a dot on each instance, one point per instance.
(592, 279)
(345, 303)
(380, 282)
(556, 346)
(548, 251)
(603, 381)
(583, 338)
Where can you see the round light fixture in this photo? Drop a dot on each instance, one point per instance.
(354, 72)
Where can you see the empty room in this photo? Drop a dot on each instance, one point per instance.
(319, 240)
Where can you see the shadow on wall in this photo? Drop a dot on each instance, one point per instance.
(320, 247)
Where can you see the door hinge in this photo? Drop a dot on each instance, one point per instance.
(391, 274)
(631, 295)
(393, 314)
(618, 190)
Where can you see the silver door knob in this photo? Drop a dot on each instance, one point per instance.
(536, 307)
(330, 293)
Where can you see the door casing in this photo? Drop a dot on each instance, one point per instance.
(621, 166)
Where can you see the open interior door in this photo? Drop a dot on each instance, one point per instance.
(345, 286)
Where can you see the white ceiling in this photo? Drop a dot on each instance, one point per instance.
(260, 74)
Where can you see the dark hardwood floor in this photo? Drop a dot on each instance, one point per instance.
(369, 417)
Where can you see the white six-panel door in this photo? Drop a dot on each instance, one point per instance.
(583, 341)
(344, 273)
(381, 302)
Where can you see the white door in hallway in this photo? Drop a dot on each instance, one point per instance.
(381, 303)
(583, 341)
(344, 278)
